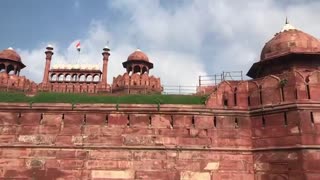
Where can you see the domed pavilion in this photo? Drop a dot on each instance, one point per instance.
(136, 79)
(289, 49)
(10, 62)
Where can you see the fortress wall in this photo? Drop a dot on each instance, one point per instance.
(284, 112)
(272, 90)
(293, 142)
(128, 142)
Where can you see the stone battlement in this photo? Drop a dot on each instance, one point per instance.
(156, 141)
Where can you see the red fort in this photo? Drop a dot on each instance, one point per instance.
(265, 128)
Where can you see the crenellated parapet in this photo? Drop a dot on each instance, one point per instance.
(16, 83)
(136, 84)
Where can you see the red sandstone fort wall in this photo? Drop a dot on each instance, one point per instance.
(261, 129)
(125, 142)
(285, 112)
(147, 142)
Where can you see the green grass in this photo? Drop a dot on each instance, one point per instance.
(106, 99)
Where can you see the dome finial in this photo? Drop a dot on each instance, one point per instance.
(287, 26)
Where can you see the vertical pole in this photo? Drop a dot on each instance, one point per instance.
(78, 57)
(215, 79)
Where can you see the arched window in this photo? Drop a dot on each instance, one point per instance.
(235, 97)
(82, 78)
(89, 78)
(68, 77)
(53, 77)
(2, 68)
(60, 77)
(136, 69)
(96, 78)
(73, 77)
(144, 70)
(10, 69)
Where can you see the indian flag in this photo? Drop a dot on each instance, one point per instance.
(78, 46)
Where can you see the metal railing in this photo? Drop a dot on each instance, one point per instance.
(212, 80)
(179, 89)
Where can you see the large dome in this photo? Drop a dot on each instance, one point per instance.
(290, 40)
(10, 54)
(138, 55)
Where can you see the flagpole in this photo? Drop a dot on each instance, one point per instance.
(78, 57)
(78, 46)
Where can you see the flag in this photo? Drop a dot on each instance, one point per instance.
(78, 46)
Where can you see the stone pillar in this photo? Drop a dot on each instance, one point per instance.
(105, 54)
(49, 53)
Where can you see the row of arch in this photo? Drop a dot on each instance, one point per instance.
(75, 77)
(141, 69)
(9, 69)
(266, 91)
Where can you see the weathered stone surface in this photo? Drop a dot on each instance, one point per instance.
(134, 146)
(188, 175)
(8, 118)
(118, 120)
(212, 166)
(112, 174)
(161, 121)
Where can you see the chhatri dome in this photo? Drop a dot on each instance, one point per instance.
(136, 79)
(137, 61)
(290, 40)
(10, 54)
(289, 48)
(138, 55)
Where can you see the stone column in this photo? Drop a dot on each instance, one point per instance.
(49, 53)
(105, 54)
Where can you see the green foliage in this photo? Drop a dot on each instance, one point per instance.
(105, 99)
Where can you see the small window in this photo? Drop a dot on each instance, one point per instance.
(225, 102)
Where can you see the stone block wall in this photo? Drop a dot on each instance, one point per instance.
(57, 141)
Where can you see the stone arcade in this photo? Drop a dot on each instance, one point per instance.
(266, 128)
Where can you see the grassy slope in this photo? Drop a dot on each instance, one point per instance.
(107, 99)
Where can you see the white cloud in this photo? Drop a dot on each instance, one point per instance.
(183, 40)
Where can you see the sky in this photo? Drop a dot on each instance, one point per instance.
(183, 38)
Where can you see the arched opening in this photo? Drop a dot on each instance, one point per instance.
(53, 77)
(136, 69)
(82, 78)
(73, 77)
(96, 78)
(10, 69)
(2, 68)
(68, 77)
(225, 99)
(235, 102)
(144, 69)
(89, 78)
(60, 77)
(129, 69)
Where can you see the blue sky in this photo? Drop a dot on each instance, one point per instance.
(184, 39)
